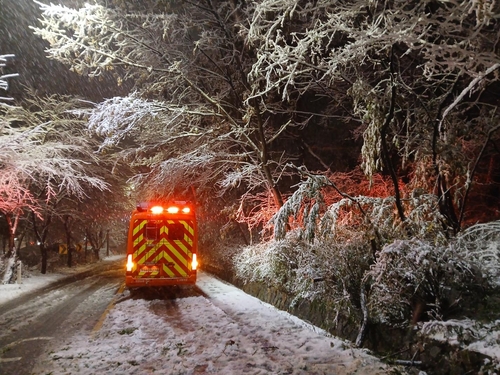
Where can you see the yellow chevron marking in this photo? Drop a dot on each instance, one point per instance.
(175, 251)
(189, 229)
(138, 240)
(176, 266)
(168, 271)
(183, 248)
(150, 253)
(138, 252)
(139, 226)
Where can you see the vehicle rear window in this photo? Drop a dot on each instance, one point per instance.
(153, 230)
(175, 232)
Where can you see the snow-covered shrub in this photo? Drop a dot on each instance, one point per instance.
(359, 215)
(286, 263)
(323, 270)
(469, 334)
(423, 219)
(411, 274)
(378, 217)
(480, 243)
(408, 272)
(413, 269)
(457, 332)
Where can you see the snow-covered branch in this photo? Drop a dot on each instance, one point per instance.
(4, 84)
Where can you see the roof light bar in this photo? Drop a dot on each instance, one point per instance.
(173, 209)
(156, 209)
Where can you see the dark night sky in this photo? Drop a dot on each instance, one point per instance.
(35, 70)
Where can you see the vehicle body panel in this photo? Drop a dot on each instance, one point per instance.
(162, 248)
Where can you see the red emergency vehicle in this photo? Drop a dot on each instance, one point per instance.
(162, 245)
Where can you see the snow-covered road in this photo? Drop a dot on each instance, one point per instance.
(214, 329)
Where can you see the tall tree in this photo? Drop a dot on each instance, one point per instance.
(50, 156)
(419, 76)
(15, 197)
(221, 84)
(191, 122)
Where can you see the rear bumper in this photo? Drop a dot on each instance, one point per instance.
(134, 282)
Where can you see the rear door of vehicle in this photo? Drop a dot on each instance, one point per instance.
(163, 247)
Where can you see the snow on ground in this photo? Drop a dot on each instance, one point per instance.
(36, 280)
(469, 335)
(221, 330)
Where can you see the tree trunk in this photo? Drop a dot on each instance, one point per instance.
(385, 148)
(67, 229)
(10, 268)
(11, 256)
(264, 158)
(12, 231)
(446, 206)
(41, 236)
(43, 252)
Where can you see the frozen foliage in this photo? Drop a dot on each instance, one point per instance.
(409, 268)
(407, 71)
(180, 172)
(39, 157)
(326, 271)
(349, 214)
(305, 204)
(289, 264)
(468, 334)
(46, 157)
(95, 44)
(481, 242)
(121, 117)
(412, 272)
(406, 278)
(347, 32)
(190, 57)
(168, 140)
